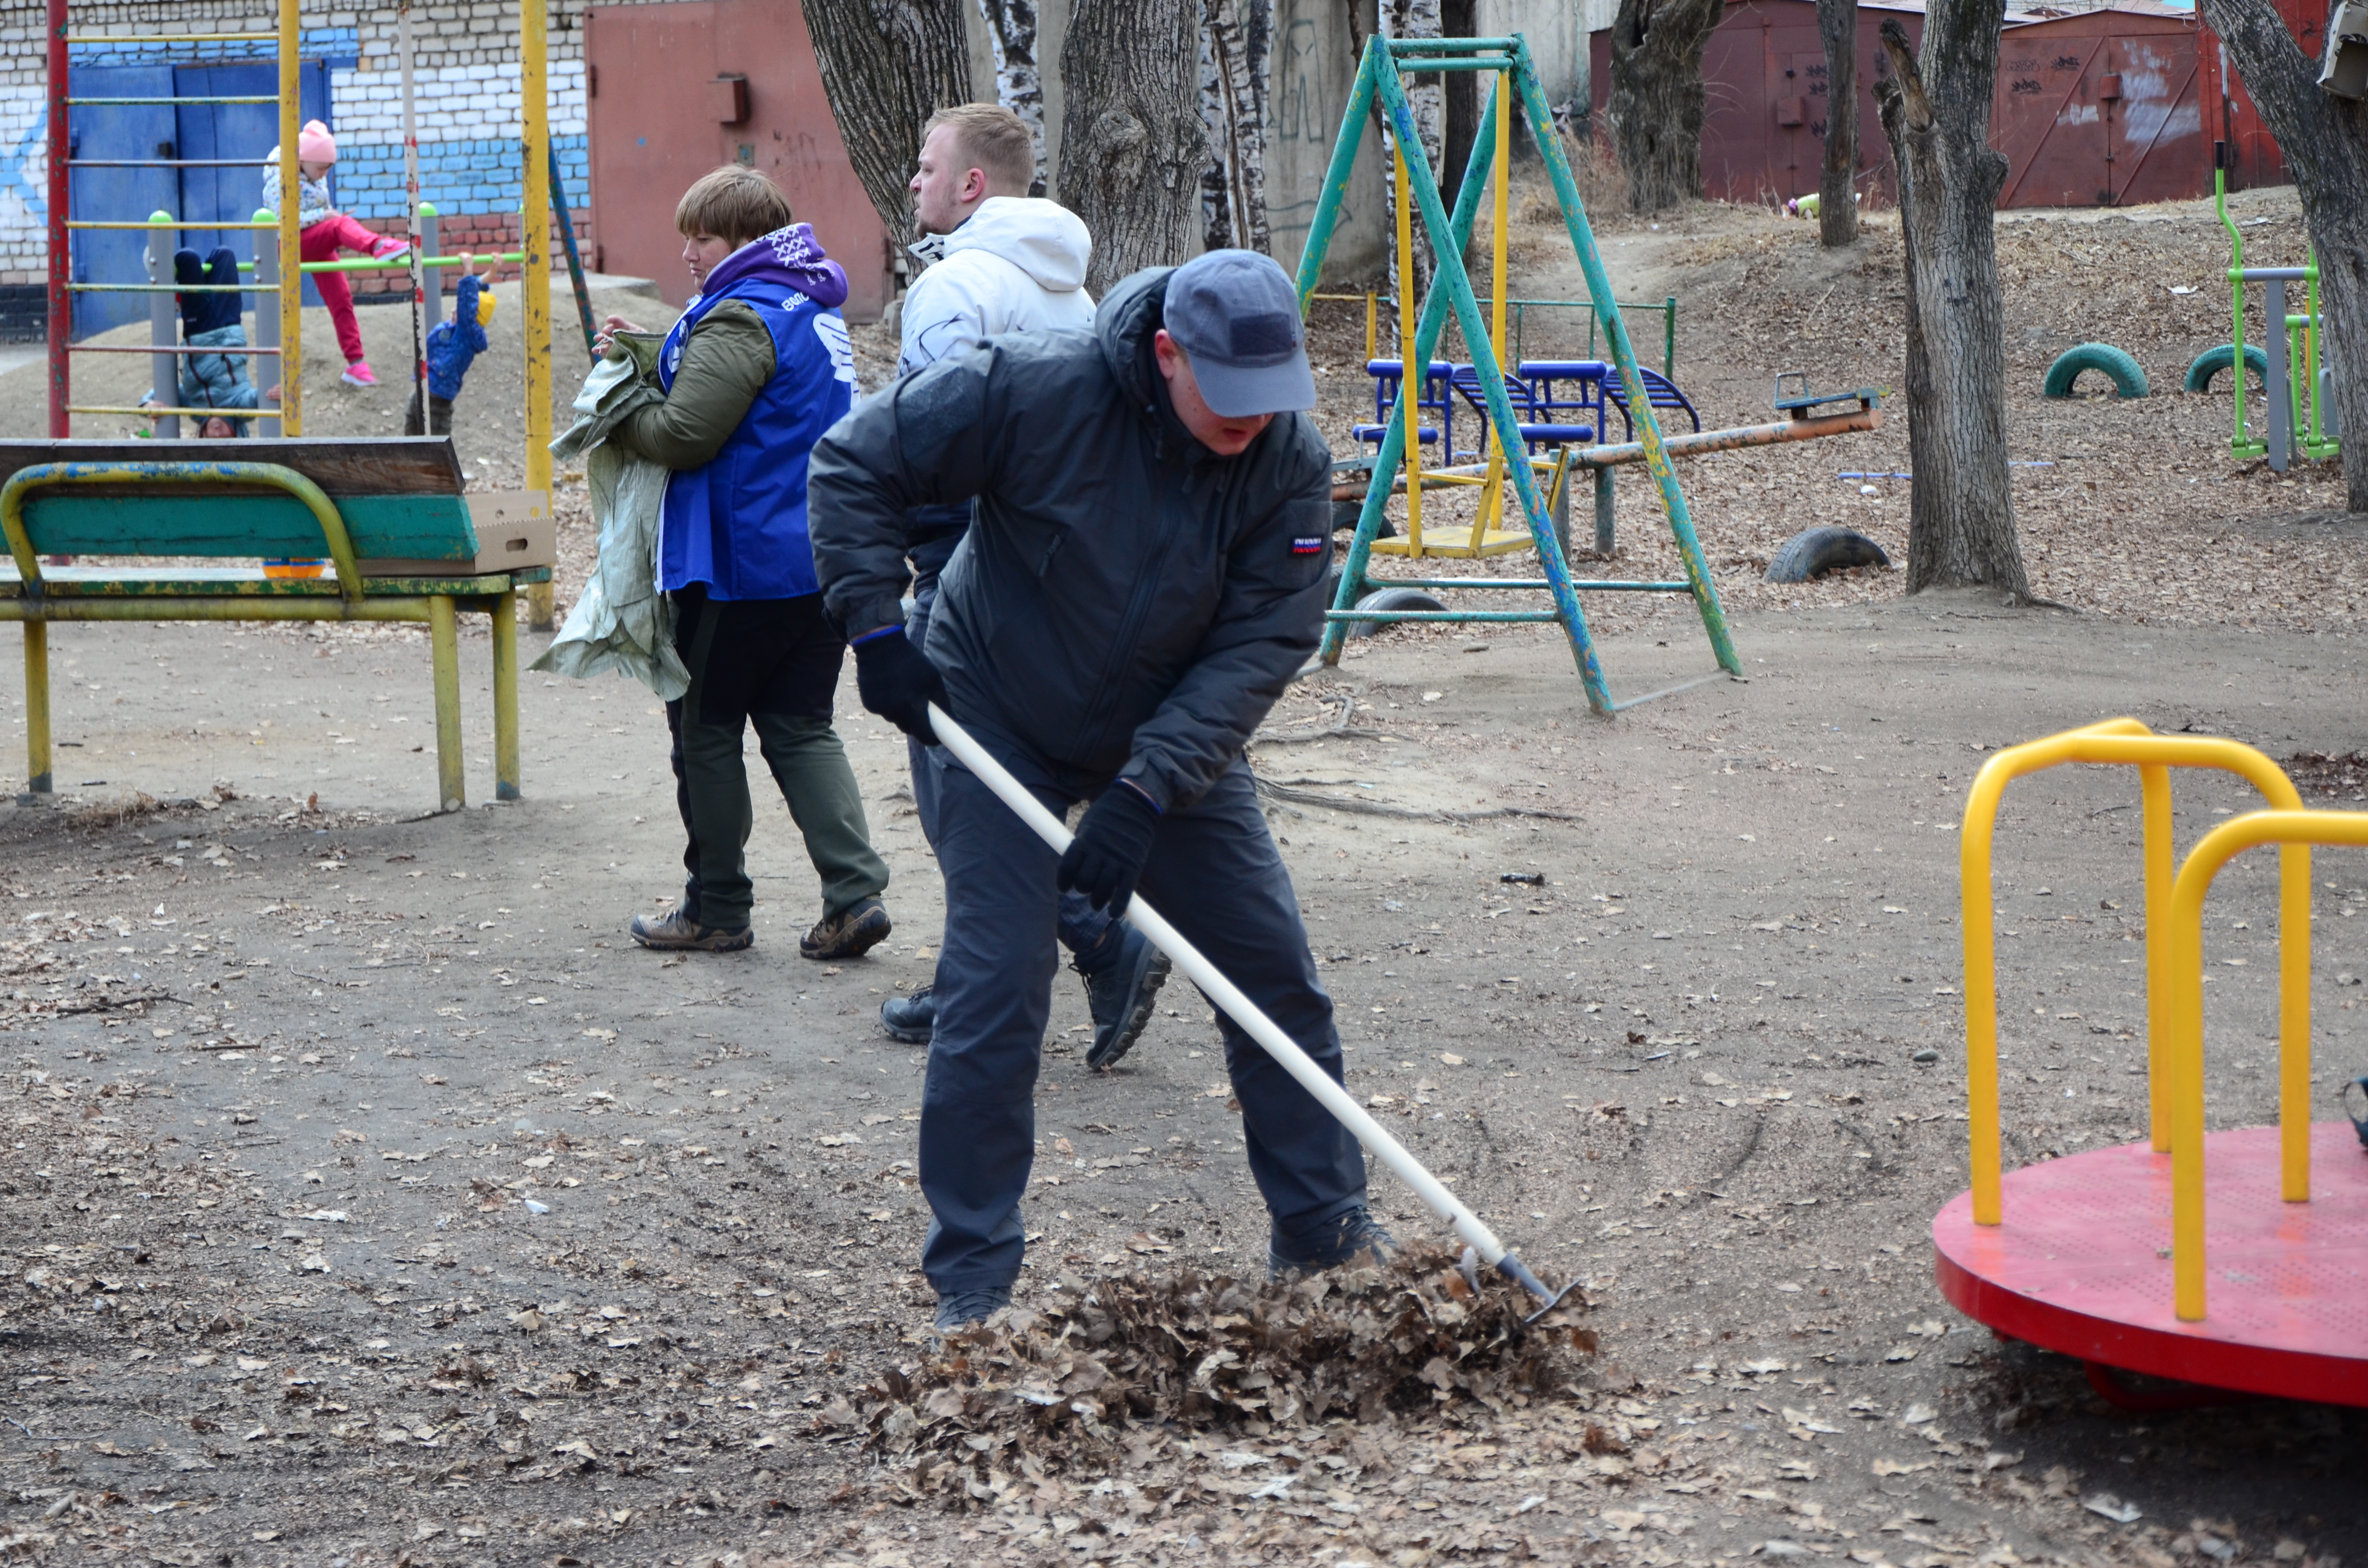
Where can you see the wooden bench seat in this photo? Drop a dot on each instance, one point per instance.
(388, 514)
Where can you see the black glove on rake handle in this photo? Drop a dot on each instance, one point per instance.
(896, 681)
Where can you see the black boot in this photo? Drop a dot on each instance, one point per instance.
(910, 1019)
(1355, 1236)
(1120, 990)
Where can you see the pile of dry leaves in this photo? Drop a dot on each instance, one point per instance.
(1065, 1384)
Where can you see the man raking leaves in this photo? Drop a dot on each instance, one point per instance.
(1143, 578)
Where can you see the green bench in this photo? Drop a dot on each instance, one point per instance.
(403, 544)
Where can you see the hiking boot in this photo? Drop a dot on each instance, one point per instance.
(1120, 994)
(358, 374)
(967, 1308)
(675, 931)
(851, 933)
(1353, 1237)
(909, 1020)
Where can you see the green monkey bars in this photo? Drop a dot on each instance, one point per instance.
(1380, 76)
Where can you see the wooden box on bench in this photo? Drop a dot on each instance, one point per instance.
(514, 529)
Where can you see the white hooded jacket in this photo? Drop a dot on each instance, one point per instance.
(1018, 264)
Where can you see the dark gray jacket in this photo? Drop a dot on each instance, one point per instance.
(1127, 603)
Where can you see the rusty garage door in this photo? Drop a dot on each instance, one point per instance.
(2100, 109)
(673, 90)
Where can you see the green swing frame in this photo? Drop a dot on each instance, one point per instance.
(1380, 79)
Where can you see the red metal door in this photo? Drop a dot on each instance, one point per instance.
(2158, 148)
(2049, 121)
(1800, 119)
(1738, 129)
(657, 122)
(2229, 112)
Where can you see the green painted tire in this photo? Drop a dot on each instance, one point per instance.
(2212, 361)
(2128, 380)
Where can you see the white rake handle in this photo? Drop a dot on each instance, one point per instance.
(1245, 1012)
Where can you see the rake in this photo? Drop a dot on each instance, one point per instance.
(1261, 1029)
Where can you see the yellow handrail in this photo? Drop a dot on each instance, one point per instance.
(2128, 742)
(2295, 830)
(43, 476)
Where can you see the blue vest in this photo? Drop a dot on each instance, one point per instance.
(738, 524)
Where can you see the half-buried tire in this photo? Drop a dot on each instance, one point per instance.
(2212, 361)
(1390, 598)
(2128, 380)
(1816, 552)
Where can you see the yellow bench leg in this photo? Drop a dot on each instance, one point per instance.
(37, 707)
(506, 709)
(540, 607)
(443, 638)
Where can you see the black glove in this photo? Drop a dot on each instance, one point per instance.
(1106, 856)
(897, 682)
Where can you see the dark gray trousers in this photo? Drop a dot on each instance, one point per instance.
(1213, 870)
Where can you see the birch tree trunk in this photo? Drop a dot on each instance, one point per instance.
(1937, 113)
(1838, 182)
(1018, 86)
(1425, 97)
(1236, 39)
(1655, 103)
(887, 66)
(1132, 144)
(2324, 140)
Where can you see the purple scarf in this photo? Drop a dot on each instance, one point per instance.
(786, 258)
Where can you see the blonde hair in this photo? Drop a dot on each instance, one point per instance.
(735, 202)
(994, 140)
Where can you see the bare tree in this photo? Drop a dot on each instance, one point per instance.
(1937, 115)
(1838, 184)
(887, 66)
(2324, 140)
(1018, 86)
(1132, 144)
(1236, 39)
(1427, 99)
(1655, 103)
(1459, 18)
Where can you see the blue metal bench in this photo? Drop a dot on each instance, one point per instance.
(1433, 400)
(1659, 389)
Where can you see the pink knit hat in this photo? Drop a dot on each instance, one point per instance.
(315, 144)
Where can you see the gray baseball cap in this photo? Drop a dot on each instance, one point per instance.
(1236, 312)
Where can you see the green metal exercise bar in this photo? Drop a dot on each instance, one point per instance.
(1380, 83)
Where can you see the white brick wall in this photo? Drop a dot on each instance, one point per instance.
(465, 90)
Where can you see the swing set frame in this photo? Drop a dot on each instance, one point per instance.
(1380, 82)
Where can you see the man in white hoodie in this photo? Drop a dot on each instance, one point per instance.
(998, 260)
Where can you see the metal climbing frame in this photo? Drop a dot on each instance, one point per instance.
(1380, 80)
(63, 287)
(534, 250)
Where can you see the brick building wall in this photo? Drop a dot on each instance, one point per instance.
(466, 92)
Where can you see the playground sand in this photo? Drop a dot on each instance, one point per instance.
(291, 1059)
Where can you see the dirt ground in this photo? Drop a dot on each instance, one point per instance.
(358, 1221)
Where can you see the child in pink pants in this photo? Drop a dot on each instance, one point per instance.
(324, 232)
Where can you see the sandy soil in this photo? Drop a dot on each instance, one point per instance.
(375, 1201)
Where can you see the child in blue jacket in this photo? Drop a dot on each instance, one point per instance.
(210, 320)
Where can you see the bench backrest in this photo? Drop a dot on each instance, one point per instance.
(400, 497)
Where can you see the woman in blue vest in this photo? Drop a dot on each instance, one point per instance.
(756, 370)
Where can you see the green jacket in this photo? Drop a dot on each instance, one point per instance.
(728, 360)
